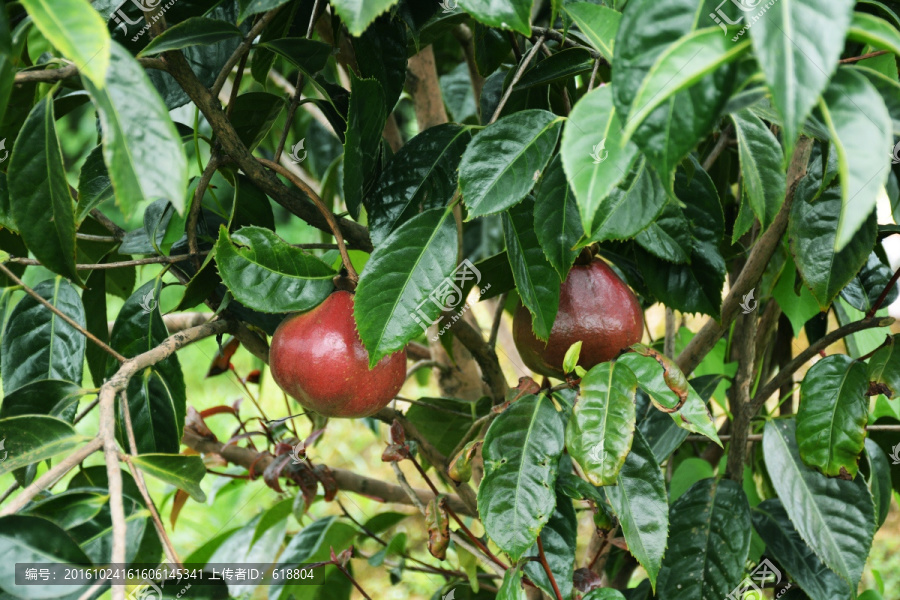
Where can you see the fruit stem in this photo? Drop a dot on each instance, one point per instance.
(329, 216)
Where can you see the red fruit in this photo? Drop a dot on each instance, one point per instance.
(596, 308)
(319, 360)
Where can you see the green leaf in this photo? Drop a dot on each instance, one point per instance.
(184, 472)
(393, 302)
(510, 587)
(686, 474)
(799, 307)
(362, 144)
(69, 509)
(445, 429)
(867, 285)
(762, 172)
(253, 7)
(598, 23)
(538, 284)
(831, 422)
(141, 146)
(861, 128)
(600, 433)
(310, 55)
(708, 543)
(813, 231)
(669, 236)
(267, 274)
(422, 175)
(25, 539)
(604, 594)
(507, 14)
(878, 480)
(359, 14)
(593, 156)
(156, 395)
(884, 366)
(33, 438)
(381, 55)
(195, 31)
(39, 196)
(639, 500)
(559, 538)
(77, 30)
(784, 544)
(632, 206)
(505, 160)
(521, 453)
(37, 344)
(94, 186)
(798, 44)
(253, 115)
(570, 360)
(874, 31)
(648, 30)
(835, 517)
(53, 397)
(557, 67)
(681, 66)
(556, 220)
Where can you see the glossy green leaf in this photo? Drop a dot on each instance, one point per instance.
(39, 196)
(27, 539)
(394, 301)
(867, 285)
(878, 480)
(559, 538)
(381, 54)
(505, 160)
(669, 236)
(422, 175)
(604, 594)
(686, 474)
(536, 281)
(362, 145)
(359, 14)
(53, 397)
(593, 156)
(598, 23)
(639, 500)
(521, 452)
(884, 366)
(77, 30)
(267, 274)
(762, 174)
(889, 88)
(69, 509)
(861, 128)
(33, 438)
(253, 115)
(632, 205)
(648, 30)
(196, 31)
(141, 147)
(507, 14)
(813, 231)
(600, 433)
(310, 55)
(681, 66)
(784, 544)
(156, 396)
(831, 422)
(556, 220)
(39, 345)
(708, 543)
(874, 31)
(557, 67)
(834, 516)
(253, 7)
(798, 44)
(184, 472)
(510, 587)
(94, 186)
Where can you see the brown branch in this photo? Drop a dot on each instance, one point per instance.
(526, 60)
(464, 36)
(53, 75)
(422, 83)
(759, 258)
(485, 356)
(118, 265)
(196, 206)
(745, 342)
(720, 146)
(60, 314)
(891, 284)
(556, 36)
(847, 61)
(242, 49)
(547, 570)
(498, 318)
(756, 437)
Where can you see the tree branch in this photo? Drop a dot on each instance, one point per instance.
(526, 60)
(242, 49)
(53, 75)
(422, 83)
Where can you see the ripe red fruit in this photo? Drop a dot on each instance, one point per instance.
(596, 308)
(319, 360)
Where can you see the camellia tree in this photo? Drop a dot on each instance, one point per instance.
(623, 257)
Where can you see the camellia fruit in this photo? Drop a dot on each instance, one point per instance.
(595, 308)
(319, 360)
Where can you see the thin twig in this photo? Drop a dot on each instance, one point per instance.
(61, 314)
(329, 216)
(196, 206)
(547, 570)
(884, 294)
(118, 265)
(518, 75)
(242, 49)
(70, 70)
(717, 150)
(847, 61)
(498, 317)
(593, 75)
(88, 237)
(556, 36)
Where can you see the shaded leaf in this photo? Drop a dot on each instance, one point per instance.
(559, 539)
(598, 23)
(195, 31)
(362, 145)
(94, 186)
(33, 438)
(359, 14)
(184, 472)
(762, 173)
(509, 14)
